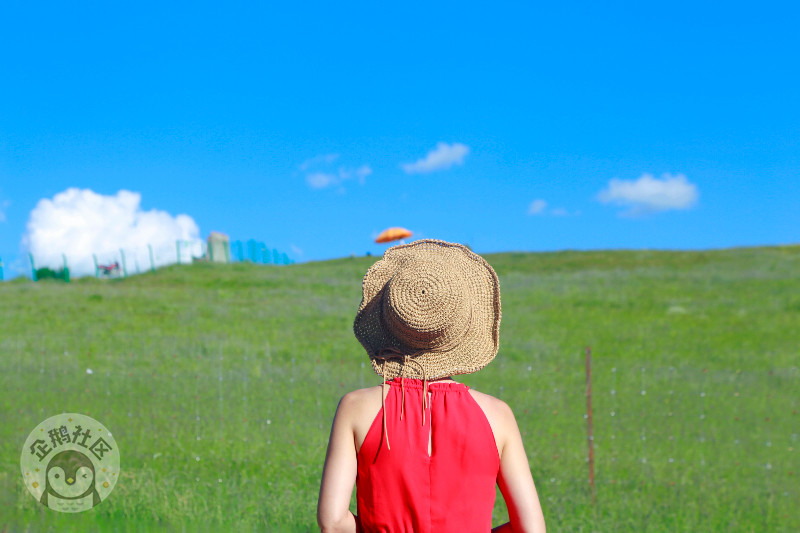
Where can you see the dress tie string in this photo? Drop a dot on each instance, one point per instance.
(403, 395)
(383, 406)
(425, 402)
(384, 357)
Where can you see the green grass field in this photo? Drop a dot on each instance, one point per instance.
(219, 383)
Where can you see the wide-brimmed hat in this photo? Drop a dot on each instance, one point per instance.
(429, 309)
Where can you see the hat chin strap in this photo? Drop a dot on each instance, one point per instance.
(392, 353)
(383, 404)
(407, 359)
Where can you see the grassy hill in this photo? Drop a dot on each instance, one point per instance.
(219, 383)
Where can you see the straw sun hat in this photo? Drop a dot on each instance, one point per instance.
(430, 309)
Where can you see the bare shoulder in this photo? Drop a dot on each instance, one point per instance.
(354, 402)
(358, 408)
(494, 407)
(500, 416)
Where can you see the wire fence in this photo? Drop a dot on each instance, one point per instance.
(123, 262)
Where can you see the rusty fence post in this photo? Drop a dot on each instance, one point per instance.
(590, 428)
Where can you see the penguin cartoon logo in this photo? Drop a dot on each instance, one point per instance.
(70, 483)
(70, 463)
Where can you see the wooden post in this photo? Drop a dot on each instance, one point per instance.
(590, 437)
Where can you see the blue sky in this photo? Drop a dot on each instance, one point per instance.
(313, 126)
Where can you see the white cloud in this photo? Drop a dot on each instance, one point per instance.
(4, 204)
(80, 223)
(537, 207)
(649, 194)
(323, 159)
(359, 173)
(362, 172)
(320, 174)
(320, 180)
(442, 157)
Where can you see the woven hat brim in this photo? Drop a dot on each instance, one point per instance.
(478, 346)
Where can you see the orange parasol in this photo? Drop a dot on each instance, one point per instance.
(393, 234)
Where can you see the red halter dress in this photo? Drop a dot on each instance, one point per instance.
(400, 488)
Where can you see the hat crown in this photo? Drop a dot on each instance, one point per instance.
(429, 309)
(426, 304)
